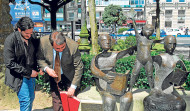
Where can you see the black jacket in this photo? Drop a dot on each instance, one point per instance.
(15, 61)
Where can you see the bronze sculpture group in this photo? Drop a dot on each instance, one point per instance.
(163, 96)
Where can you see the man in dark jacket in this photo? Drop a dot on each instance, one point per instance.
(21, 65)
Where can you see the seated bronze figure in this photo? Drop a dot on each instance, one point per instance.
(110, 84)
(164, 97)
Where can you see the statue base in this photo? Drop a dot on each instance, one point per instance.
(163, 102)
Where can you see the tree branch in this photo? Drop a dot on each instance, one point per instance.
(64, 3)
(38, 3)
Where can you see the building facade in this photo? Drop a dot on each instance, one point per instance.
(71, 14)
(173, 14)
(126, 5)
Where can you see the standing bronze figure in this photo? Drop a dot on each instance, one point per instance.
(110, 84)
(164, 97)
(143, 57)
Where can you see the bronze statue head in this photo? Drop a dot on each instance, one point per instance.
(104, 40)
(170, 44)
(148, 30)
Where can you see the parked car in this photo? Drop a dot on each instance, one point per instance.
(174, 31)
(131, 31)
(162, 33)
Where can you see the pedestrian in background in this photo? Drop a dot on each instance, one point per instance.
(186, 31)
(20, 62)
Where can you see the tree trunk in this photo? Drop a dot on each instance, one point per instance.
(157, 20)
(115, 32)
(53, 20)
(5, 22)
(93, 25)
(83, 12)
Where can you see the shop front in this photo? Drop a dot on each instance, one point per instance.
(26, 9)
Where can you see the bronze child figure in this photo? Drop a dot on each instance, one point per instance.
(143, 57)
(103, 67)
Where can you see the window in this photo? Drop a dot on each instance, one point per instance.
(72, 4)
(181, 16)
(181, 0)
(168, 23)
(168, 13)
(168, 0)
(71, 16)
(60, 10)
(132, 2)
(136, 1)
(97, 14)
(140, 15)
(79, 10)
(96, 3)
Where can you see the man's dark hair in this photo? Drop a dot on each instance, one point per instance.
(57, 37)
(24, 23)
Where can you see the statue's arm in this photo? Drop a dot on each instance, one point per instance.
(95, 71)
(182, 65)
(129, 51)
(98, 73)
(157, 59)
(135, 28)
(158, 41)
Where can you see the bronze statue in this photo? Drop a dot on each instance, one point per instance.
(110, 84)
(164, 97)
(143, 57)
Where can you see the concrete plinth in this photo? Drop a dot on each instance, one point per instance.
(91, 99)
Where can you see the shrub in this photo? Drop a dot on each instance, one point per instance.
(130, 41)
(122, 65)
(186, 85)
(119, 46)
(122, 45)
(121, 30)
(87, 78)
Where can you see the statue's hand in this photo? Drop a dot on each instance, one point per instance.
(132, 50)
(109, 79)
(131, 14)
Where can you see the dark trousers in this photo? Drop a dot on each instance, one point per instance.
(64, 84)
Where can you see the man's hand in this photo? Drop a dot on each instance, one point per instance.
(41, 72)
(70, 92)
(34, 73)
(51, 72)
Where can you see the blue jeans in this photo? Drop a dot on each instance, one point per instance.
(26, 94)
